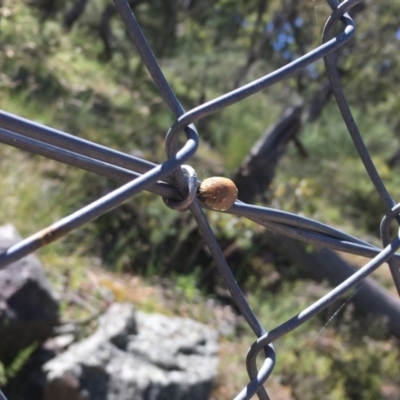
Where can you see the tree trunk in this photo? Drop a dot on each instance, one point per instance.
(253, 178)
(74, 13)
(257, 171)
(105, 31)
(325, 264)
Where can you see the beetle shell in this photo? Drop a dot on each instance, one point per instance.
(218, 193)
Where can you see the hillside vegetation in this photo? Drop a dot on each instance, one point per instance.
(83, 75)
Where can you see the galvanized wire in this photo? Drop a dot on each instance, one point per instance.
(177, 183)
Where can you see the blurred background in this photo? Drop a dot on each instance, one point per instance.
(70, 65)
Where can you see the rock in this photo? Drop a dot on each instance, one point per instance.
(136, 356)
(28, 307)
(59, 343)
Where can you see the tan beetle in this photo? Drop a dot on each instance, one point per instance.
(218, 193)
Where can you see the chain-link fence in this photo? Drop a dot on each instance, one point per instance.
(179, 187)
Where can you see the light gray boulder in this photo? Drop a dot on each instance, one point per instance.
(137, 356)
